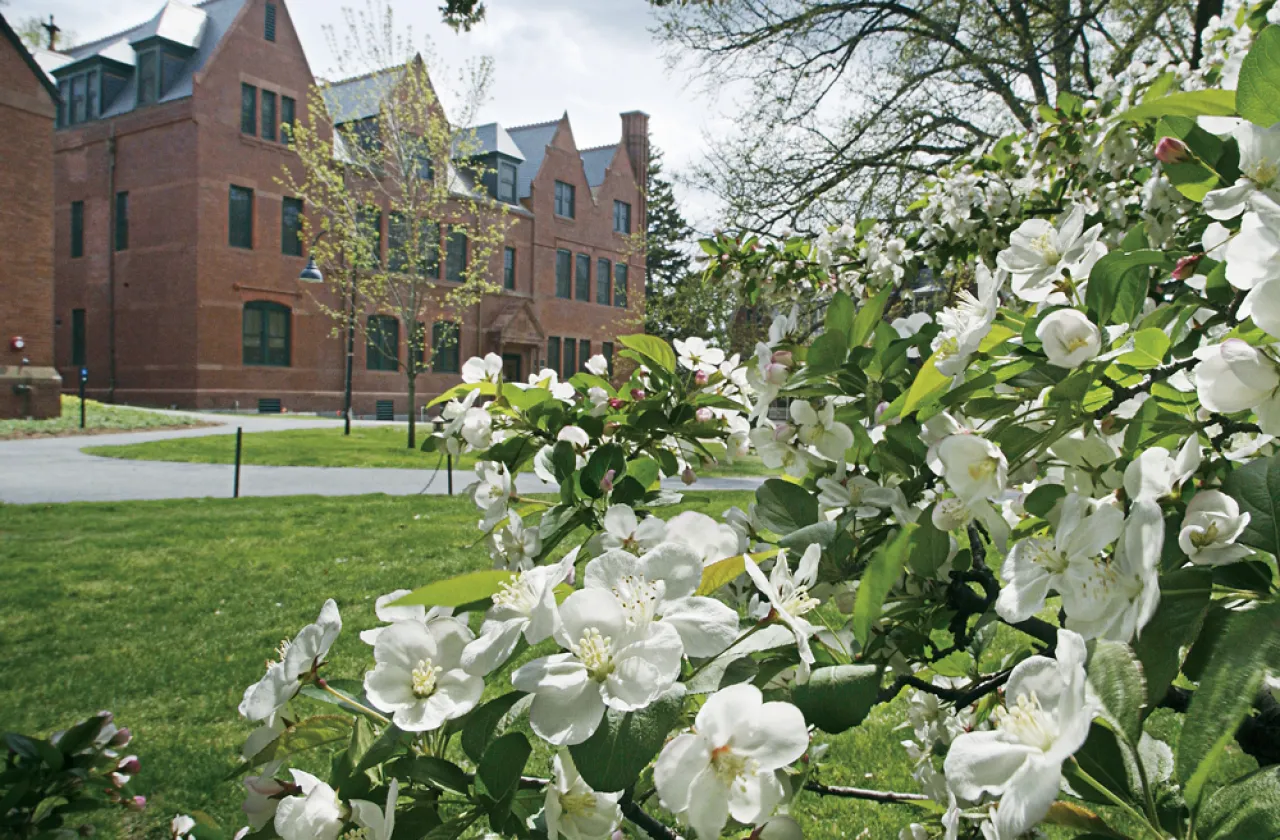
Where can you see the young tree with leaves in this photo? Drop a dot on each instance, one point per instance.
(403, 159)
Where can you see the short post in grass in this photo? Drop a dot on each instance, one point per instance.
(84, 377)
(239, 442)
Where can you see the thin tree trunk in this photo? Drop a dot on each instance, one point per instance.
(413, 388)
(1205, 9)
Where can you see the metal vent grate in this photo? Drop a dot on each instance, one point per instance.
(269, 405)
(384, 410)
(269, 31)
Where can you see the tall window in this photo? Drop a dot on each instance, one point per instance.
(508, 268)
(570, 357)
(240, 222)
(288, 113)
(77, 229)
(268, 115)
(584, 353)
(583, 277)
(455, 264)
(79, 95)
(604, 270)
(291, 227)
(248, 109)
(620, 285)
(77, 337)
(564, 267)
(265, 334)
(606, 349)
(269, 23)
(78, 112)
(621, 217)
(507, 182)
(444, 347)
(148, 76)
(122, 221)
(553, 353)
(370, 221)
(382, 348)
(399, 246)
(564, 199)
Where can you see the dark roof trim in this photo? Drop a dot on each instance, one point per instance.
(27, 57)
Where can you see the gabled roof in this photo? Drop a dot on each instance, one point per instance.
(359, 97)
(28, 58)
(200, 27)
(596, 161)
(532, 141)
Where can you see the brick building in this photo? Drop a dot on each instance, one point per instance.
(177, 256)
(29, 384)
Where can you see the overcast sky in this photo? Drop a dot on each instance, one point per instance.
(593, 58)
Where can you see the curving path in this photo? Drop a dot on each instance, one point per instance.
(42, 470)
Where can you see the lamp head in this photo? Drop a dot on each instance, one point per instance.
(311, 274)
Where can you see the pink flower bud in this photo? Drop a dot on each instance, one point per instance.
(637, 393)
(704, 415)
(1172, 150)
(775, 374)
(1186, 266)
(615, 403)
(137, 803)
(129, 765)
(782, 357)
(265, 786)
(122, 737)
(606, 483)
(119, 779)
(700, 378)
(724, 258)
(688, 476)
(881, 408)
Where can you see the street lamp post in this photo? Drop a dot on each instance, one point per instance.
(311, 274)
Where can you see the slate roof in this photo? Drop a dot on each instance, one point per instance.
(596, 161)
(359, 97)
(199, 27)
(493, 138)
(532, 141)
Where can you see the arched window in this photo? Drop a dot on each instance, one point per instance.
(265, 333)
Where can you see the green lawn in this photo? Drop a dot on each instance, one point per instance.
(99, 418)
(164, 611)
(367, 446)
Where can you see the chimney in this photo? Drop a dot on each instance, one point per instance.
(635, 137)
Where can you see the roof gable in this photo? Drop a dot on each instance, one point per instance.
(597, 162)
(36, 69)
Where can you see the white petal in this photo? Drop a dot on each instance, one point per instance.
(983, 762)
(565, 718)
(706, 626)
(1028, 797)
(678, 765)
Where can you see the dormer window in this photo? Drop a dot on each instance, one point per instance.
(148, 76)
(507, 182)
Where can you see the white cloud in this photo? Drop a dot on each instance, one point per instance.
(593, 58)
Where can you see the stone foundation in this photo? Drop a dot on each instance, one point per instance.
(32, 392)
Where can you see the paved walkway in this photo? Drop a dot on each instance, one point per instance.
(41, 470)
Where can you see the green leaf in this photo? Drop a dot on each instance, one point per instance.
(822, 533)
(1247, 809)
(1116, 677)
(1103, 759)
(498, 773)
(307, 734)
(473, 588)
(929, 547)
(1258, 92)
(652, 347)
(429, 770)
(839, 697)
(607, 457)
(783, 507)
(881, 573)
(1184, 597)
(1041, 500)
(1194, 103)
(871, 314)
(457, 392)
(613, 758)
(564, 461)
(1256, 487)
(1149, 347)
(828, 352)
(483, 721)
(644, 470)
(928, 383)
(525, 398)
(1118, 285)
(1231, 679)
(386, 745)
(727, 570)
(840, 312)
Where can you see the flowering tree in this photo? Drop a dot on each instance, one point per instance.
(1076, 456)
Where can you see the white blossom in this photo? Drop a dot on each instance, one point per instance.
(378, 823)
(418, 678)
(727, 766)
(1114, 599)
(1210, 528)
(1039, 254)
(973, 467)
(788, 597)
(696, 354)
(966, 324)
(624, 530)
(488, 369)
(298, 658)
(1045, 720)
(491, 492)
(597, 365)
(1235, 376)
(1070, 339)
(523, 606)
(573, 810)
(1259, 168)
(515, 546)
(315, 815)
(821, 430)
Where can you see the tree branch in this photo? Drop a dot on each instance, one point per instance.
(863, 793)
(646, 823)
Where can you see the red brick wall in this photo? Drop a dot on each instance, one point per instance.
(181, 287)
(26, 231)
